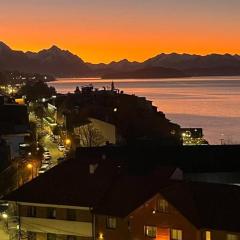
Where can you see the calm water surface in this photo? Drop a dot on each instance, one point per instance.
(212, 103)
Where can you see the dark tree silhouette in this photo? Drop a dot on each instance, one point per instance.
(37, 90)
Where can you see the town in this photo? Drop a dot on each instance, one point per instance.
(102, 164)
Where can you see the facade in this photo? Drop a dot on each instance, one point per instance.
(95, 133)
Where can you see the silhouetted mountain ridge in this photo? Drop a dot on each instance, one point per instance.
(148, 72)
(63, 63)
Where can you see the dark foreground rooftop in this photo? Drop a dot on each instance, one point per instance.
(111, 190)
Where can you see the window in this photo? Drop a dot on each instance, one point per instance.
(176, 234)
(51, 236)
(150, 231)
(31, 211)
(232, 237)
(111, 222)
(162, 205)
(208, 235)
(71, 214)
(51, 213)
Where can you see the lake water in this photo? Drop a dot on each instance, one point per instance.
(212, 103)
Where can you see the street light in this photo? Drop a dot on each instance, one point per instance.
(30, 167)
(4, 215)
(68, 141)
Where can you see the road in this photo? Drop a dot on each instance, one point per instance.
(52, 147)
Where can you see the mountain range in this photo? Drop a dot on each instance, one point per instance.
(62, 63)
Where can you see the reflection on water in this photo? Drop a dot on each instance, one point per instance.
(208, 102)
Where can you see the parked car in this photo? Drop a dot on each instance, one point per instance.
(61, 148)
(48, 157)
(43, 168)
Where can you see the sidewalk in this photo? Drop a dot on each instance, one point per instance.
(3, 234)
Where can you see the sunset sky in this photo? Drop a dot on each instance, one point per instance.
(106, 30)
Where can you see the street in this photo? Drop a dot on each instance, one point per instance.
(52, 147)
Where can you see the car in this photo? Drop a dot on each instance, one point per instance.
(45, 161)
(47, 157)
(41, 171)
(43, 168)
(61, 148)
(46, 153)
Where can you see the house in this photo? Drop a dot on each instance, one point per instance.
(77, 200)
(94, 132)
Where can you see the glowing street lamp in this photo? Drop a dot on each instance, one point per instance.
(4, 215)
(68, 141)
(30, 167)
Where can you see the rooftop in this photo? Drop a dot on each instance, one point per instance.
(111, 191)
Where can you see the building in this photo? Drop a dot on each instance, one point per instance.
(78, 200)
(14, 125)
(94, 132)
(193, 136)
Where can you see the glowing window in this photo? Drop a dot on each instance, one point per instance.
(208, 235)
(162, 205)
(150, 231)
(176, 234)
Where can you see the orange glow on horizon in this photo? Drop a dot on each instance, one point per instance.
(115, 52)
(135, 30)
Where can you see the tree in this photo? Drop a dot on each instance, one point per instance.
(90, 136)
(37, 90)
(56, 130)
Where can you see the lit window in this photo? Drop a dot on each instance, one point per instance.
(162, 205)
(150, 231)
(176, 234)
(208, 235)
(111, 222)
(232, 237)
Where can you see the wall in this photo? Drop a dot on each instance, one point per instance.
(41, 224)
(108, 130)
